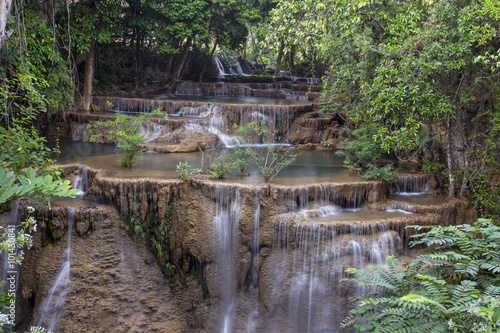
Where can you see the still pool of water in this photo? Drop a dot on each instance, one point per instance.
(311, 167)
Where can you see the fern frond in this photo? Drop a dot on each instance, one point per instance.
(413, 298)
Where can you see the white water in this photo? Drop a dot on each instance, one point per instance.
(53, 306)
(226, 227)
(151, 132)
(220, 67)
(315, 256)
(411, 185)
(81, 180)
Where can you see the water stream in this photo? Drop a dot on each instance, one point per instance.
(226, 226)
(52, 307)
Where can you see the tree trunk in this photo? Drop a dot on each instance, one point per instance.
(278, 61)
(451, 171)
(456, 137)
(89, 76)
(291, 57)
(180, 67)
(4, 15)
(215, 46)
(138, 71)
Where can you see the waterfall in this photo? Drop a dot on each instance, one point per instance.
(151, 132)
(81, 180)
(82, 133)
(325, 196)
(220, 66)
(411, 185)
(316, 256)
(226, 227)
(53, 306)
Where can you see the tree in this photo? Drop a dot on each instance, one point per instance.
(296, 30)
(411, 67)
(452, 288)
(92, 22)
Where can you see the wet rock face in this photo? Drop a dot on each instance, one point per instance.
(172, 256)
(116, 284)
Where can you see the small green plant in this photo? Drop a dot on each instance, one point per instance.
(271, 160)
(386, 173)
(138, 229)
(327, 143)
(110, 104)
(239, 158)
(185, 170)
(159, 112)
(220, 167)
(124, 130)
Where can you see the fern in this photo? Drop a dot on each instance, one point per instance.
(454, 284)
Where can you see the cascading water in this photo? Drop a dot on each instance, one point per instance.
(226, 226)
(81, 180)
(151, 132)
(253, 316)
(411, 185)
(53, 306)
(220, 67)
(312, 258)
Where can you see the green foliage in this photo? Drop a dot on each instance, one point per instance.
(59, 90)
(327, 143)
(124, 130)
(29, 184)
(270, 160)
(454, 287)
(185, 170)
(138, 229)
(128, 148)
(219, 168)
(159, 112)
(299, 25)
(386, 173)
(21, 147)
(439, 171)
(239, 158)
(362, 150)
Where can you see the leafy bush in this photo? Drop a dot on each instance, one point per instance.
(270, 160)
(386, 173)
(59, 89)
(219, 168)
(454, 287)
(327, 143)
(128, 148)
(185, 170)
(359, 146)
(159, 112)
(239, 158)
(124, 130)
